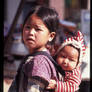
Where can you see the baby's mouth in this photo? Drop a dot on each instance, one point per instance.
(64, 65)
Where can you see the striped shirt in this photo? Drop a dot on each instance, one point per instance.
(71, 82)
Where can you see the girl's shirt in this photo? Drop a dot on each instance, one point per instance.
(39, 70)
(34, 74)
(40, 66)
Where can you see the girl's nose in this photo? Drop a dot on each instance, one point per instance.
(32, 31)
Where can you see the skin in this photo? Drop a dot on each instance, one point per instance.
(68, 58)
(36, 34)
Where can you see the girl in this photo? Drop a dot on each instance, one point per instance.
(39, 28)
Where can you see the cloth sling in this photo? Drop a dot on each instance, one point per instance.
(15, 84)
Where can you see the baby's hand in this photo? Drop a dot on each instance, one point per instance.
(52, 84)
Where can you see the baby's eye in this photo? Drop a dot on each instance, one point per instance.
(72, 60)
(63, 56)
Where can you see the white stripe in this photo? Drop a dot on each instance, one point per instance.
(74, 82)
(74, 88)
(71, 87)
(59, 86)
(68, 87)
(65, 86)
(77, 78)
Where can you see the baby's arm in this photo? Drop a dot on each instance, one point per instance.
(71, 83)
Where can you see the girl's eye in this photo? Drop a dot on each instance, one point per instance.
(37, 29)
(27, 27)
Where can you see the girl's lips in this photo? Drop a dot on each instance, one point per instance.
(30, 39)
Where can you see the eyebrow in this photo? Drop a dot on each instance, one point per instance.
(69, 56)
(62, 53)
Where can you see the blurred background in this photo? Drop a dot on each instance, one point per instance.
(72, 12)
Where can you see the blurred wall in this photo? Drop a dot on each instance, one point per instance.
(59, 5)
(11, 7)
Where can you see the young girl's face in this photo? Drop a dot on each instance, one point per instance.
(36, 34)
(68, 58)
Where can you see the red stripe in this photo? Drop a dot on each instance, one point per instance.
(71, 38)
(83, 49)
(83, 46)
(67, 39)
(75, 80)
(61, 87)
(70, 87)
(78, 71)
(67, 87)
(58, 86)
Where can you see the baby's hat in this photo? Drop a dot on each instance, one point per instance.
(76, 41)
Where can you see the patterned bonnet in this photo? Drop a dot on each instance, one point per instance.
(76, 41)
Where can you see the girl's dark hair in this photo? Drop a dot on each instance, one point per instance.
(48, 15)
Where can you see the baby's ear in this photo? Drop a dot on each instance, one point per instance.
(52, 35)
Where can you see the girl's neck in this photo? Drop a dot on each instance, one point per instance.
(42, 49)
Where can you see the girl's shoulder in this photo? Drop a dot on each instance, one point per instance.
(42, 59)
(39, 65)
(42, 56)
(38, 59)
(38, 56)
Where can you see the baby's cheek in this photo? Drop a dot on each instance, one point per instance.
(73, 66)
(59, 61)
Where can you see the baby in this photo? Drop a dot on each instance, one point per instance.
(69, 57)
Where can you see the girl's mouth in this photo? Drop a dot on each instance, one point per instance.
(30, 39)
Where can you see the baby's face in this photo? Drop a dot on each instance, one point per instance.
(68, 58)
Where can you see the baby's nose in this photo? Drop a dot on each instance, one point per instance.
(66, 60)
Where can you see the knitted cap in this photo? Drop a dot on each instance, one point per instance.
(76, 41)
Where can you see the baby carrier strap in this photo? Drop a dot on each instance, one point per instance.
(57, 67)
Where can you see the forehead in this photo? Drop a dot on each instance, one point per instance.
(34, 19)
(70, 51)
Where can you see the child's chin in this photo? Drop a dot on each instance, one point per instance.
(67, 69)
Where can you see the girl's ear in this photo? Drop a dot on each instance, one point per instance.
(52, 35)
